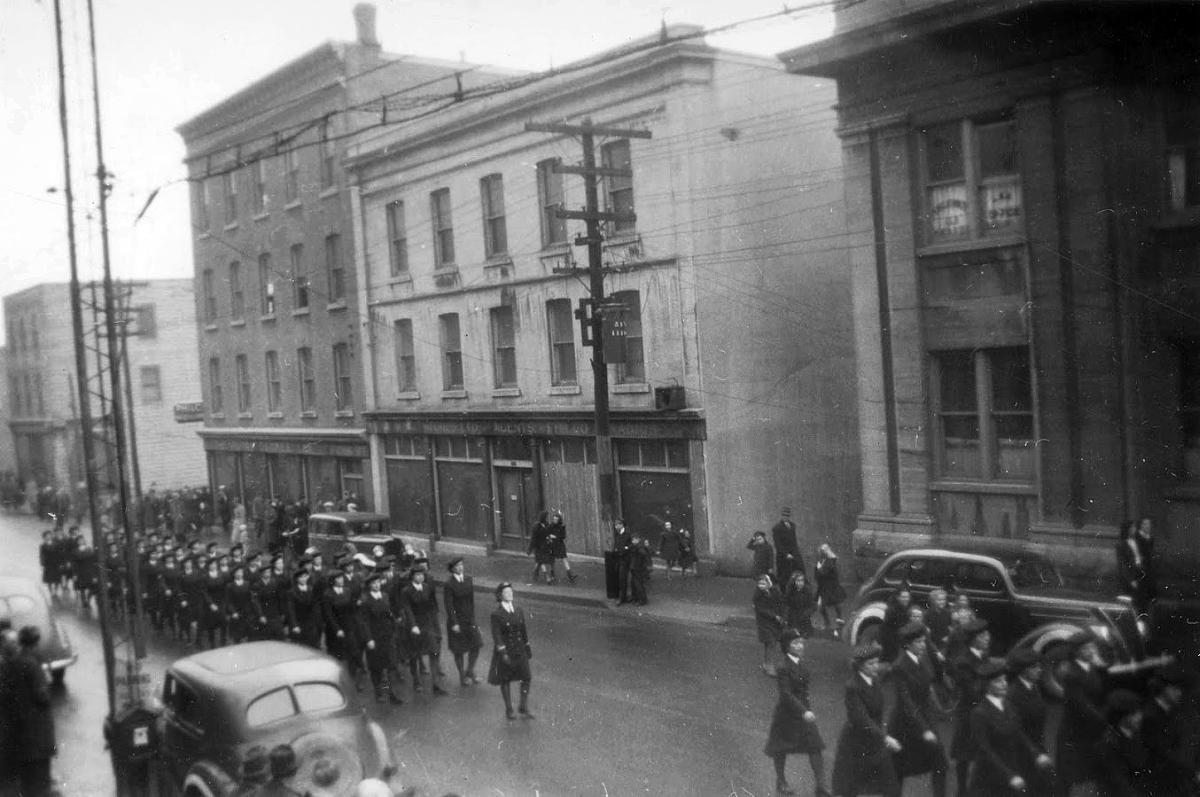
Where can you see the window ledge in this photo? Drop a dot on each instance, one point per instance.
(344, 414)
(409, 395)
(993, 488)
(970, 245)
(261, 216)
(399, 279)
(445, 277)
(274, 414)
(308, 414)
(454, 394)
(233, 225)
(217, 416)
(245, 416)
(210, 327)
(328, 192)
(266, 317)
(338, 305)
(293, 205)
(555, 248)
(238, 322)
(300, 311)
(632, 387)
(564, 390)
(506, 392)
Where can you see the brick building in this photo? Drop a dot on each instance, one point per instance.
(43, 395)
(1023, 206)
(733, 278)
(276, 293)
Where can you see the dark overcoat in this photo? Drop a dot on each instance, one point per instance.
(1083, 724)
(800, 604)
(1002, 751)
(862, 762)
(510, 651)
(269, 609)
(304, 612)
(212, 613)
(787, 550)
(459, 597)
(970, 691)
(1029, 704)
(913, 715)
(557, 540)
(33, 721)
(769, 614)
(341, 615)
(420, 608)
(378, 626)
(830, 591)
(239, 610)
(790, 732)
(539, 543)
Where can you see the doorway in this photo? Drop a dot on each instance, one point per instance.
(516, 496)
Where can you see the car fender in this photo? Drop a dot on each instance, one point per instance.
(382, 749)
(206, 779)
(865, 617)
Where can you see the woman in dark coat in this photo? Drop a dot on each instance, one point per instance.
(794, 725)
(669, 548)
(191, 600)
(895, 616)
(510, 652)
(342, 627)
(769, 614)
(539, 547)
(419, 604)
(830, 592)
(212, 615)
(462, 632)
(687, 553)
(303, 610)
(914, 717)
(863, 762)
(378, 626)
(239, 606)
(798, 598)
(557, 539)
(30, 711)
(764, 555)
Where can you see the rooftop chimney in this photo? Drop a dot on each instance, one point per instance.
(364, 22)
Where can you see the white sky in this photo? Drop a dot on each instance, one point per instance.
(163, 61)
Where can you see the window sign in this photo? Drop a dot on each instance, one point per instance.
(948, 211)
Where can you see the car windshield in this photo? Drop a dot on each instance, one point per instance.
(366, 527)
(1033, 572)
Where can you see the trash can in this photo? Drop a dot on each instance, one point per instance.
(132, 738)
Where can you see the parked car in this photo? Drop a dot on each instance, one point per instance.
(26, 602)
(219, 703)
(1021, 595)
(334, 532)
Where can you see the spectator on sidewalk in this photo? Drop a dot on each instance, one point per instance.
(669, 547)
(764, 555)
(687, 553)
(558, 544)
(769, 614)
(540, 550)
(830, 592)
(641, 560)
(800, 603)
(29, 707)
(623, 548)
(787, 549)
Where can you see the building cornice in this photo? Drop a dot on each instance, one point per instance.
(291, 433)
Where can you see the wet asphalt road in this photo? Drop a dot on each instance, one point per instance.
(624, 704)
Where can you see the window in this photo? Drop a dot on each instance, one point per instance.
(562, 342)
(229, 190)
(308, 382)
(274, 387)
(972, 186)
(984, 405)
(333, 267)
(151, 384)
(550, 199)
(243, 381)
(495, 236)
(14, 395)
(271, 707)
(33, 333)
(343, 398)
(141, 322)
(237, 297)
(397, 237)
(328, 155)
(291, 175)
(258, 173)
(37, 385)
(210, 297)
(350, 476)
(443, 228)
(618, 191)
(1189, 405)
(215, 389)
(451, 344)
(406, 363)
(318, 696)
(266, 285)
(200, 199)
(634, 368)
(504, 347)
(299, 276)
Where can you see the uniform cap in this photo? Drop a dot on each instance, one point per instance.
(974, 627)
(501, 587)
(456, 560)
(787, 636)
(910, 631)
(865, 652)
(991, 668)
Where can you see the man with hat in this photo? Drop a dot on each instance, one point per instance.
(964, 667)
(914, 722)
(1083, 723)
(379, 628)
(283, 767)
(1025, 692)
(787, 549)
(1005, 759)
(863, 762)
(256, 771)
(463, 636)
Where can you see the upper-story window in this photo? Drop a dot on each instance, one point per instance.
(299, 276)
(14, 396)
(406, 361)
(550, 199)
(983, 402)
(972, 183)
(504, 346)
(229, 186)
(216, 390)
(210, 296)
(495, 233)
(342, 380)
(633, 370)
(1182, 123)
(443, 228)
(328, 155)
(618, 189)
(22, 340)
(274, 383)
(561, 331)
(142, 321)
(307, 379)
(242, 365)
(33, 333)
(200, 201)
(333, 268)
(291, 174)
(451, 345)
(151, 379)
(237, 296)
(397, 233)
(266, 285)
(258, 174)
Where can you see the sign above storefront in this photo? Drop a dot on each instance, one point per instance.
(189, 412)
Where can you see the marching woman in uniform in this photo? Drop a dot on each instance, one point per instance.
(304, 610)
(379, 628)
(239, 605)
(191, 600)
(794, 725)
(511, 651)
(863, 762)
(342, 626)
(1005, 760)
(914, 717)
(212, 618)
(462, 632)
(419, 604)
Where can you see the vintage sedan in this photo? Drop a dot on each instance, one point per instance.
(332, 533)
(1021, 595)
(219, 703)
(25, 601)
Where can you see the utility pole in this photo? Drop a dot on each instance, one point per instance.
(597, 333)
